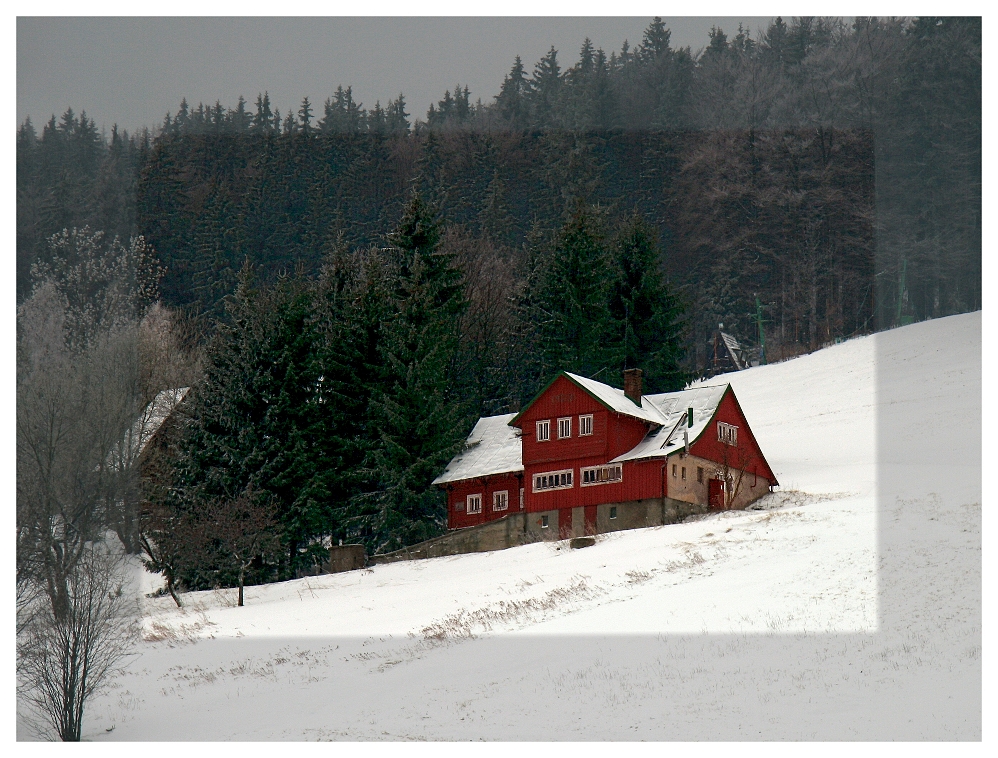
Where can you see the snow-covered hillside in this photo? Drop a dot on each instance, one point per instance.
(849, 608)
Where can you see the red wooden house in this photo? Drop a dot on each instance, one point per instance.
(584, 457)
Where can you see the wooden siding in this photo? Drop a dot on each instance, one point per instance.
(613, 434)
(746, 456)
(457, 493)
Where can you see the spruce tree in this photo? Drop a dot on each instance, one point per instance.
(258, 421)
(647, 313)
(545, 86)
(415, 416)
(573, 330)
(263, 120)
(511, 102)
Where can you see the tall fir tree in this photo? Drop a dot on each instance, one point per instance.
(511, 101)
(415, 415)
(573, 329)
(648, 315)
(258, 420)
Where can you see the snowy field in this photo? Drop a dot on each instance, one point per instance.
(848, 608)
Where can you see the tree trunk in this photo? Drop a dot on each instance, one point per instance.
(173, 594)
(241, 574)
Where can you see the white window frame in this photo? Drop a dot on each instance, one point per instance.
(542, 481)
(502, 495)
(477, 500)
(586, 425)
(610, 473)
(565, 425)
(727, 434)
(521, 498)
(544, 430)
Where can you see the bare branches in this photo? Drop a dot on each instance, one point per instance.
(66, 658)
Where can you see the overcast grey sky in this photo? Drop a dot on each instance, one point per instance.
(131, 71)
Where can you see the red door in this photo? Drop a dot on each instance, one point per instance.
(715, 494)
(565, 523)
(590, 519)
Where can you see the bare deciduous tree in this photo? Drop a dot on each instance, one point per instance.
(78, 391)
(66, 658)
(240, 530)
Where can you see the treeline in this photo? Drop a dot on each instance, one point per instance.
(72, 175)
(901, 96)
(780, 215)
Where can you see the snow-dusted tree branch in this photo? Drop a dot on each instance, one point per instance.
(66, 658)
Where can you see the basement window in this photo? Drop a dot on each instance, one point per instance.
(684, 473)
(543, 431)
(544, 522)
(474, 503)
(500, 500)
(613, 511)
(586, 425)
(727, 434)
(673, 470)
(700, 474)
(553, 480)
(601, 474)
(564, 428)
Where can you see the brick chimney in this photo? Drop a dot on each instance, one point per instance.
(632, 384)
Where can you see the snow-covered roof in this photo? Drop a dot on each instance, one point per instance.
(147, 424)
(734, 349)
(493, 447)
(617, 401)
(672, 407)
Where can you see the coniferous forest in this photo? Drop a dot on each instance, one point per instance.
(355, 284)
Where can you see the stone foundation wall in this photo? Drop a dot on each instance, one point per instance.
(524, 528)
(506, 532)
(345, 558)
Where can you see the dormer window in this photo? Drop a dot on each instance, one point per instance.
(543, 430)
(586, 425)
(564, 428)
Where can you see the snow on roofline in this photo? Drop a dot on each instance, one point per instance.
(146, 425)
(492, 448)
(617, 401)
(611, 397)
(734, 350)
(673, 406)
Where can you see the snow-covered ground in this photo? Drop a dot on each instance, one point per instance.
(849, 608)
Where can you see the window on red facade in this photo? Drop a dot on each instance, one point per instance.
(727, 434)
(474, 503)
(553, 480)
(500, 500)
(564, 428)
(585, 425)
(601, 474)
(543, 431)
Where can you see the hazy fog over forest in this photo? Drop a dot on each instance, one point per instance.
(129, 71)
